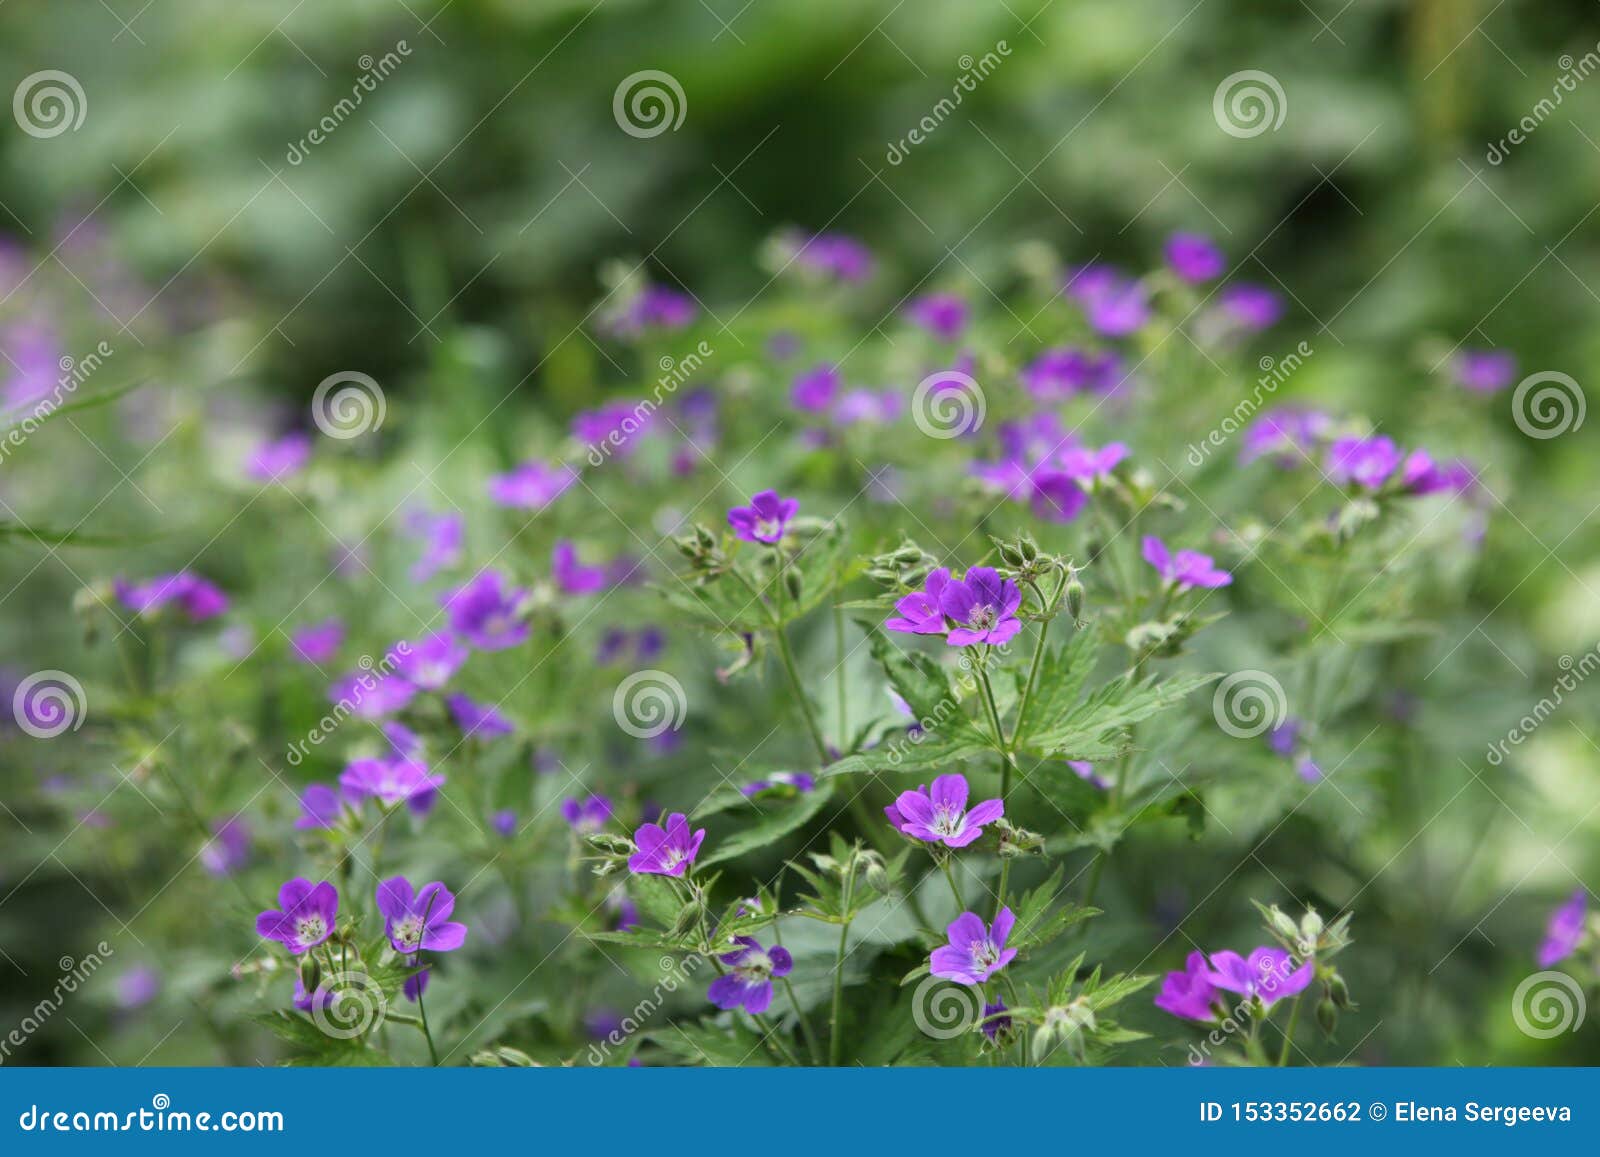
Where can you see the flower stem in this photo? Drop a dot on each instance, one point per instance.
(1000, 744)
(1005, 876)
(835, 1037)
(841, 682)
(787, 655)
(949, 875)
(1288, 1033)
(422, 1011)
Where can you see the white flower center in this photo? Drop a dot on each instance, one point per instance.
(408, 932)
(948, 821)
(310, 929)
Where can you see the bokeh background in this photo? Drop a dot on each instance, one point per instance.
(453, 233)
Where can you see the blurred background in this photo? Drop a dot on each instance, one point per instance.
(454, 227)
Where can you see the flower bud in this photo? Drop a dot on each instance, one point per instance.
(1075, 595)
(310, 972)
(1338, 991)
(794, 583)
(1327, 1016)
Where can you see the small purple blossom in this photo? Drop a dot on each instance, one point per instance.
(505, 822)
(1484, 371)
(587, 815)
(277, 459)
(1268, 973)
(1288, 434)
(1364, 462)
(944, 315)
(420, 919)
(814, 390)
(1190, 993)
(940, 815)
(765, 519)
(1085, 771)
(983, 607)
(391, 781)
(1250, 306)
(1564, 931)
(484, 612)
(318, 643)
(532, 485)
(371, 695)
(228, 849)
(786, 783)
(748, 982)
(431, 662)
(477, 720)
(832, 255)
(196, 597)
(995, 1025)
(441, 536)
(572, 577)
(1063, 372)
(919, 611)
(666, 851)
(304, 917)
(320, 807)
(137, 987)
(1194, 258)
(653, 307)
(1114, 305)
(975, 952)
(1188, 568)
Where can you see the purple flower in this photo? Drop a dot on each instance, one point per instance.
(1287, 433)
(441, 537)
(371, 695)
(304, 917)
(477, 720)
(1063, 372)
(1085, 771)
(1420, 474)
(814, 390)
(997, 1027)
(571, 576)
(484, 611)
(1188, 568)
(137, 987)
(624, 912)
(944, 315)
(940, 815)
(504, 821)
(876, 406)
(667, 852)
(1366, 462)
(974, 953)
(1564, 931)
(587, 815)
(1269, 974)
(416, 984)
(748, 983)
(320, 807)
(1194, 258)
(1484, 371)
(919, 612)
(983, 606)
(1250, 306)
(419, 919)
(391, 781)
(652, 307)
(318, 642)
(532, 485)
(786, 783)
(1285, 736)
(197, 598)
(1189, 993)
(1114, 305)
(228, 850)
(830, 255)
(765, 519)
(323, 997)
(275, 460)
(431, 662)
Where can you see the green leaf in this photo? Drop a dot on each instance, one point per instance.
(734, 1046)
(773, 819)
(1081, 731)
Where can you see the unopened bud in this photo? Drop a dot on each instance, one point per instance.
(310, 972)
(794, 583)
(1327, 1016)
(1338, 991)
(1075, 599)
